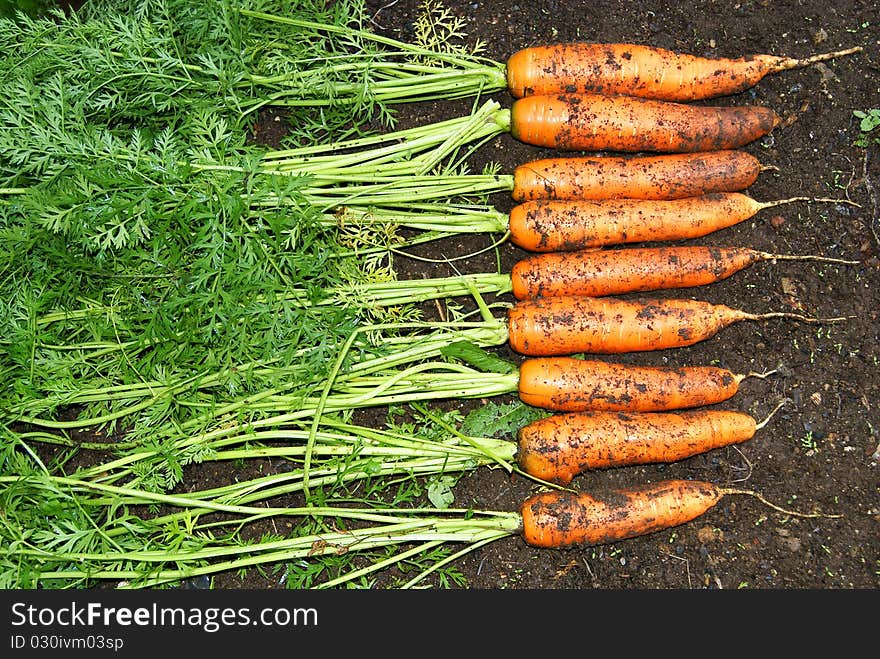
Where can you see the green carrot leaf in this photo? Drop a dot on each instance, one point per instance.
(477, 357)
(500, 419)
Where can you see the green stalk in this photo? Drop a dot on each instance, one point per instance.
(397, 168)
(226, 432)
(347, 452)
(418, 290)
(440, 217)
(486, 121)
(424, 340)
(325, 394)
(364, 295)
(456, 526)
(133, 549)
(343, 459)
(398, 72)
(213, 417)
(144, 64)
(357, 441)
(397, 179)
(399, 192)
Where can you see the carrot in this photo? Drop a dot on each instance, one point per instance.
(560, 518)
(576, 384)
(664, 176)
(589, 272)
(596, 122)
(609, 195)
(572, 324)
(617, 271)
(570, 384)
(559, 447)
(553, 225)
(645, 71)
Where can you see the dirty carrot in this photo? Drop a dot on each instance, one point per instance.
(572, 384)
(558, 384)
(557, 448)
(571, 324)
(401, 72)
(597, 122)
(572, 181)
(553, 225)
(663, 176)
(569, 203)
(591, 272)
(552, 519)
(559, 518)
(399, 168)
(612, 272)
(644, 71)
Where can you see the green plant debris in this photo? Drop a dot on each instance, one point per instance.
(868, 122)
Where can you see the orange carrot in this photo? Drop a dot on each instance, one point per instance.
(638, 70)
(664, 176)
(570, 384)
(560, 518)
(563, 225)
(571, 324)
(596, 122)
(559, 447)
(617, 271)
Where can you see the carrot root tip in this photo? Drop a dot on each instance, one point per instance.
(752, 493)
(779, 406)
(797, 316)
(796, 63)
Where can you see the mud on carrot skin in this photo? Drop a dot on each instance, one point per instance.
(596, 122)
(574, 384)
(644, 71)
(661, 176)
(570, 324)
(557, 225)
(560, 518)
(600, 273)
(557, 448)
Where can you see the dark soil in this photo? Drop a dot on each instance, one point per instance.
(821, 451)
